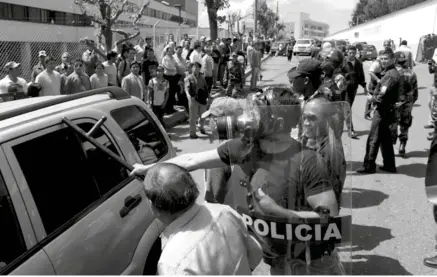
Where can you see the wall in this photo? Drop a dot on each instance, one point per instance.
(409, 24)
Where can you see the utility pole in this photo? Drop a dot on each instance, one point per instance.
(255, 20)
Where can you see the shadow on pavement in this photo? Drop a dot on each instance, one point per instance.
(418, 154)
(374, 265)
(362, 198)
(353, 165)
(416, 170)
(366, 238)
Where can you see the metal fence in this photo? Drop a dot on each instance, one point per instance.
(21, 41)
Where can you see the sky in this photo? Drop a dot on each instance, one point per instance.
(336, 13)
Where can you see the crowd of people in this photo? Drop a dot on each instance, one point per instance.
(302, 177)
(183, 76)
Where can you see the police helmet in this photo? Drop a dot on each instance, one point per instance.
(335, 57)
(400, 56)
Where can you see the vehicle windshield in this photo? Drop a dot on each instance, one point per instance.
(340, 43)
(369, 47)
(303, 41)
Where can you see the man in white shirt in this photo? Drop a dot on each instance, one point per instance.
(111, 68)
(408, 54)
(196, 56)
(199, 239)
(49, 79)
(11, 83)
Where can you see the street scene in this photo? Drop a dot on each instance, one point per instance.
(218, 137)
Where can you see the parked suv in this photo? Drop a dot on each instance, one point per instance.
(67, 203)
(303, 46)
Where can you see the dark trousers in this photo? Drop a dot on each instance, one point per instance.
(368, 108)
(349, 97)
(209, 82)
(380, 136)
(289, 55)
(221, 73)
(173, 82)
(159, 112)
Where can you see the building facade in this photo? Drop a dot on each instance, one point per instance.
(304, 27)
(57, 26)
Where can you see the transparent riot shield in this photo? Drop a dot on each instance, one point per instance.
(287, 179)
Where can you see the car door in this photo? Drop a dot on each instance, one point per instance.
(87, 213)
(19, 251)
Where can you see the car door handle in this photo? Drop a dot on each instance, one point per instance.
(129, 204)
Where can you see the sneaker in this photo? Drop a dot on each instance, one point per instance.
(364, 170)
(202, 131)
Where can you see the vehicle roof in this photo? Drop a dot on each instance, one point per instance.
(18, 104)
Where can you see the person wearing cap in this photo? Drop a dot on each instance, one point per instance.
(12, 83)
(408, 54)
(384, 98)
(306, 77)
(408, 95)
(38, 68)
(233, 78)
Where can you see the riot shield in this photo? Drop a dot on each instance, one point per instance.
(287, 179)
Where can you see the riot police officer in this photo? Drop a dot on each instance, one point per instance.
(408, 94)
(384, 98)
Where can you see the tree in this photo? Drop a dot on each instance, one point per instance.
(105, 19)
(366, 10)
(213, 6)
(267, 19)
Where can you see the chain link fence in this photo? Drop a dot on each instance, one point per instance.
(21, 41)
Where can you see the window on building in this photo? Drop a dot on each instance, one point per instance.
(86, 174)
(306, 26)
(142, 132)
(34, 14)
(11, 236)
(20, 13)
(60, 18)
(306, 33)
(5, 11)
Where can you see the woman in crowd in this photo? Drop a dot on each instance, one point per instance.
(99, 79)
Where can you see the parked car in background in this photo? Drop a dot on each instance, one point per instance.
(368, 53)
(278, 46)
(336, 43)
(303, 46)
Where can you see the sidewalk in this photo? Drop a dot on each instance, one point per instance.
(181, 116)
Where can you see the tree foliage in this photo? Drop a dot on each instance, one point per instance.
(212, 7)
(105, 17)
(267, 20)
(366, 10)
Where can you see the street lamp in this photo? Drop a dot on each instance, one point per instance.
(179, 6)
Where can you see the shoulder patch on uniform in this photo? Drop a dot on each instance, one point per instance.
(383, 89)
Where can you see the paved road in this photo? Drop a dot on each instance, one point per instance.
(393, 227)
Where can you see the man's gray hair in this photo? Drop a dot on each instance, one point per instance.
(170, 188)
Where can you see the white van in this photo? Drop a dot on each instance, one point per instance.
(303, 46)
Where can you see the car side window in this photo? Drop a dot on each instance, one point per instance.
(143, 132)
(12, 243)
(66, 175)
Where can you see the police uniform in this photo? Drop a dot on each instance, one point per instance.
(408, 94)
(380, 135)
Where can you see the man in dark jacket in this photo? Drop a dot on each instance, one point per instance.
(380, 135)
(355, 77)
